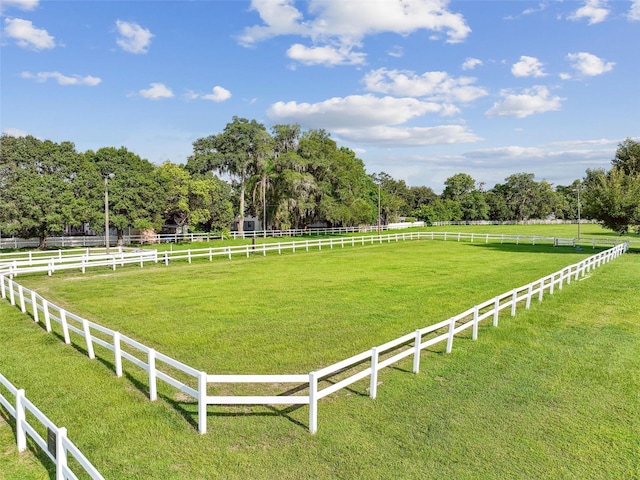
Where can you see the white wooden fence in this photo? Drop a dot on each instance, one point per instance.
(86, 258)
(57, 445)
(195, 383)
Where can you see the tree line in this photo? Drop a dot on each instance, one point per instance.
(286, 177)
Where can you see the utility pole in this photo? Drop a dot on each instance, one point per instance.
(106, 211)
(379, 212)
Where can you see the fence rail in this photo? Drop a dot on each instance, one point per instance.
(196, 383)
(53, 262)
(128, 239)
(56, 446)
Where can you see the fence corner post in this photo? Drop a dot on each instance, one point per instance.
(202, 403)
(313, 402)
(452, 327)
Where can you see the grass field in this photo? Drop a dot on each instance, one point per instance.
(552, 393)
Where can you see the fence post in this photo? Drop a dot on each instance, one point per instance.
(514, 300)
(47, 316)
(12, 295)
(373, 385)
(87, 336)
(202, 403)
(153, 389)
(61, 453)
(474, 335)
(2, 287)
(34, 305)
(553, 281)
(529, 292)
(23, 307)
(313, 402)
(541, 293)
(496, 311)
(416, 353)
(65, 327)
(452, 327)
(117, 353)
(21, 437)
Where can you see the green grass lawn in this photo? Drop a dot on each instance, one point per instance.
(298, 312)
(551, 393)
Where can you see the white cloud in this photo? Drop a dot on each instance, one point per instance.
(386, 136)
(336, 27)
(157, 90)
(471, 63)
(531, 101)
(351, 111)
(28, 36)
(588, 64)
(20, 4)
(433, 85)
(354, 20)
(595, 11)
(371, 120)
(529, 11)
(512, 152)
(634, 11)
(62, 79)
(14, 132)
(398, 52)
(280, 17)
(326, 55)
(528, 67)
(133, 38)
(218, 94)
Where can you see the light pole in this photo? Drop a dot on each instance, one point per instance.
(106, 211)
(578, 187)
(379, 216)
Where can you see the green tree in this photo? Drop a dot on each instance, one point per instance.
(44, 186)
(174, 182)
(240, 151)
(461, 188)
(210, 203)
(393, 195)
(135, 196)
(439, 211)
(457, 186)
(627, 157)
(613, 198)
(418, 196)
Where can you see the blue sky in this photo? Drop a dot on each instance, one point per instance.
(420, 89)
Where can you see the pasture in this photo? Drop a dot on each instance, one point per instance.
(550, 393)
